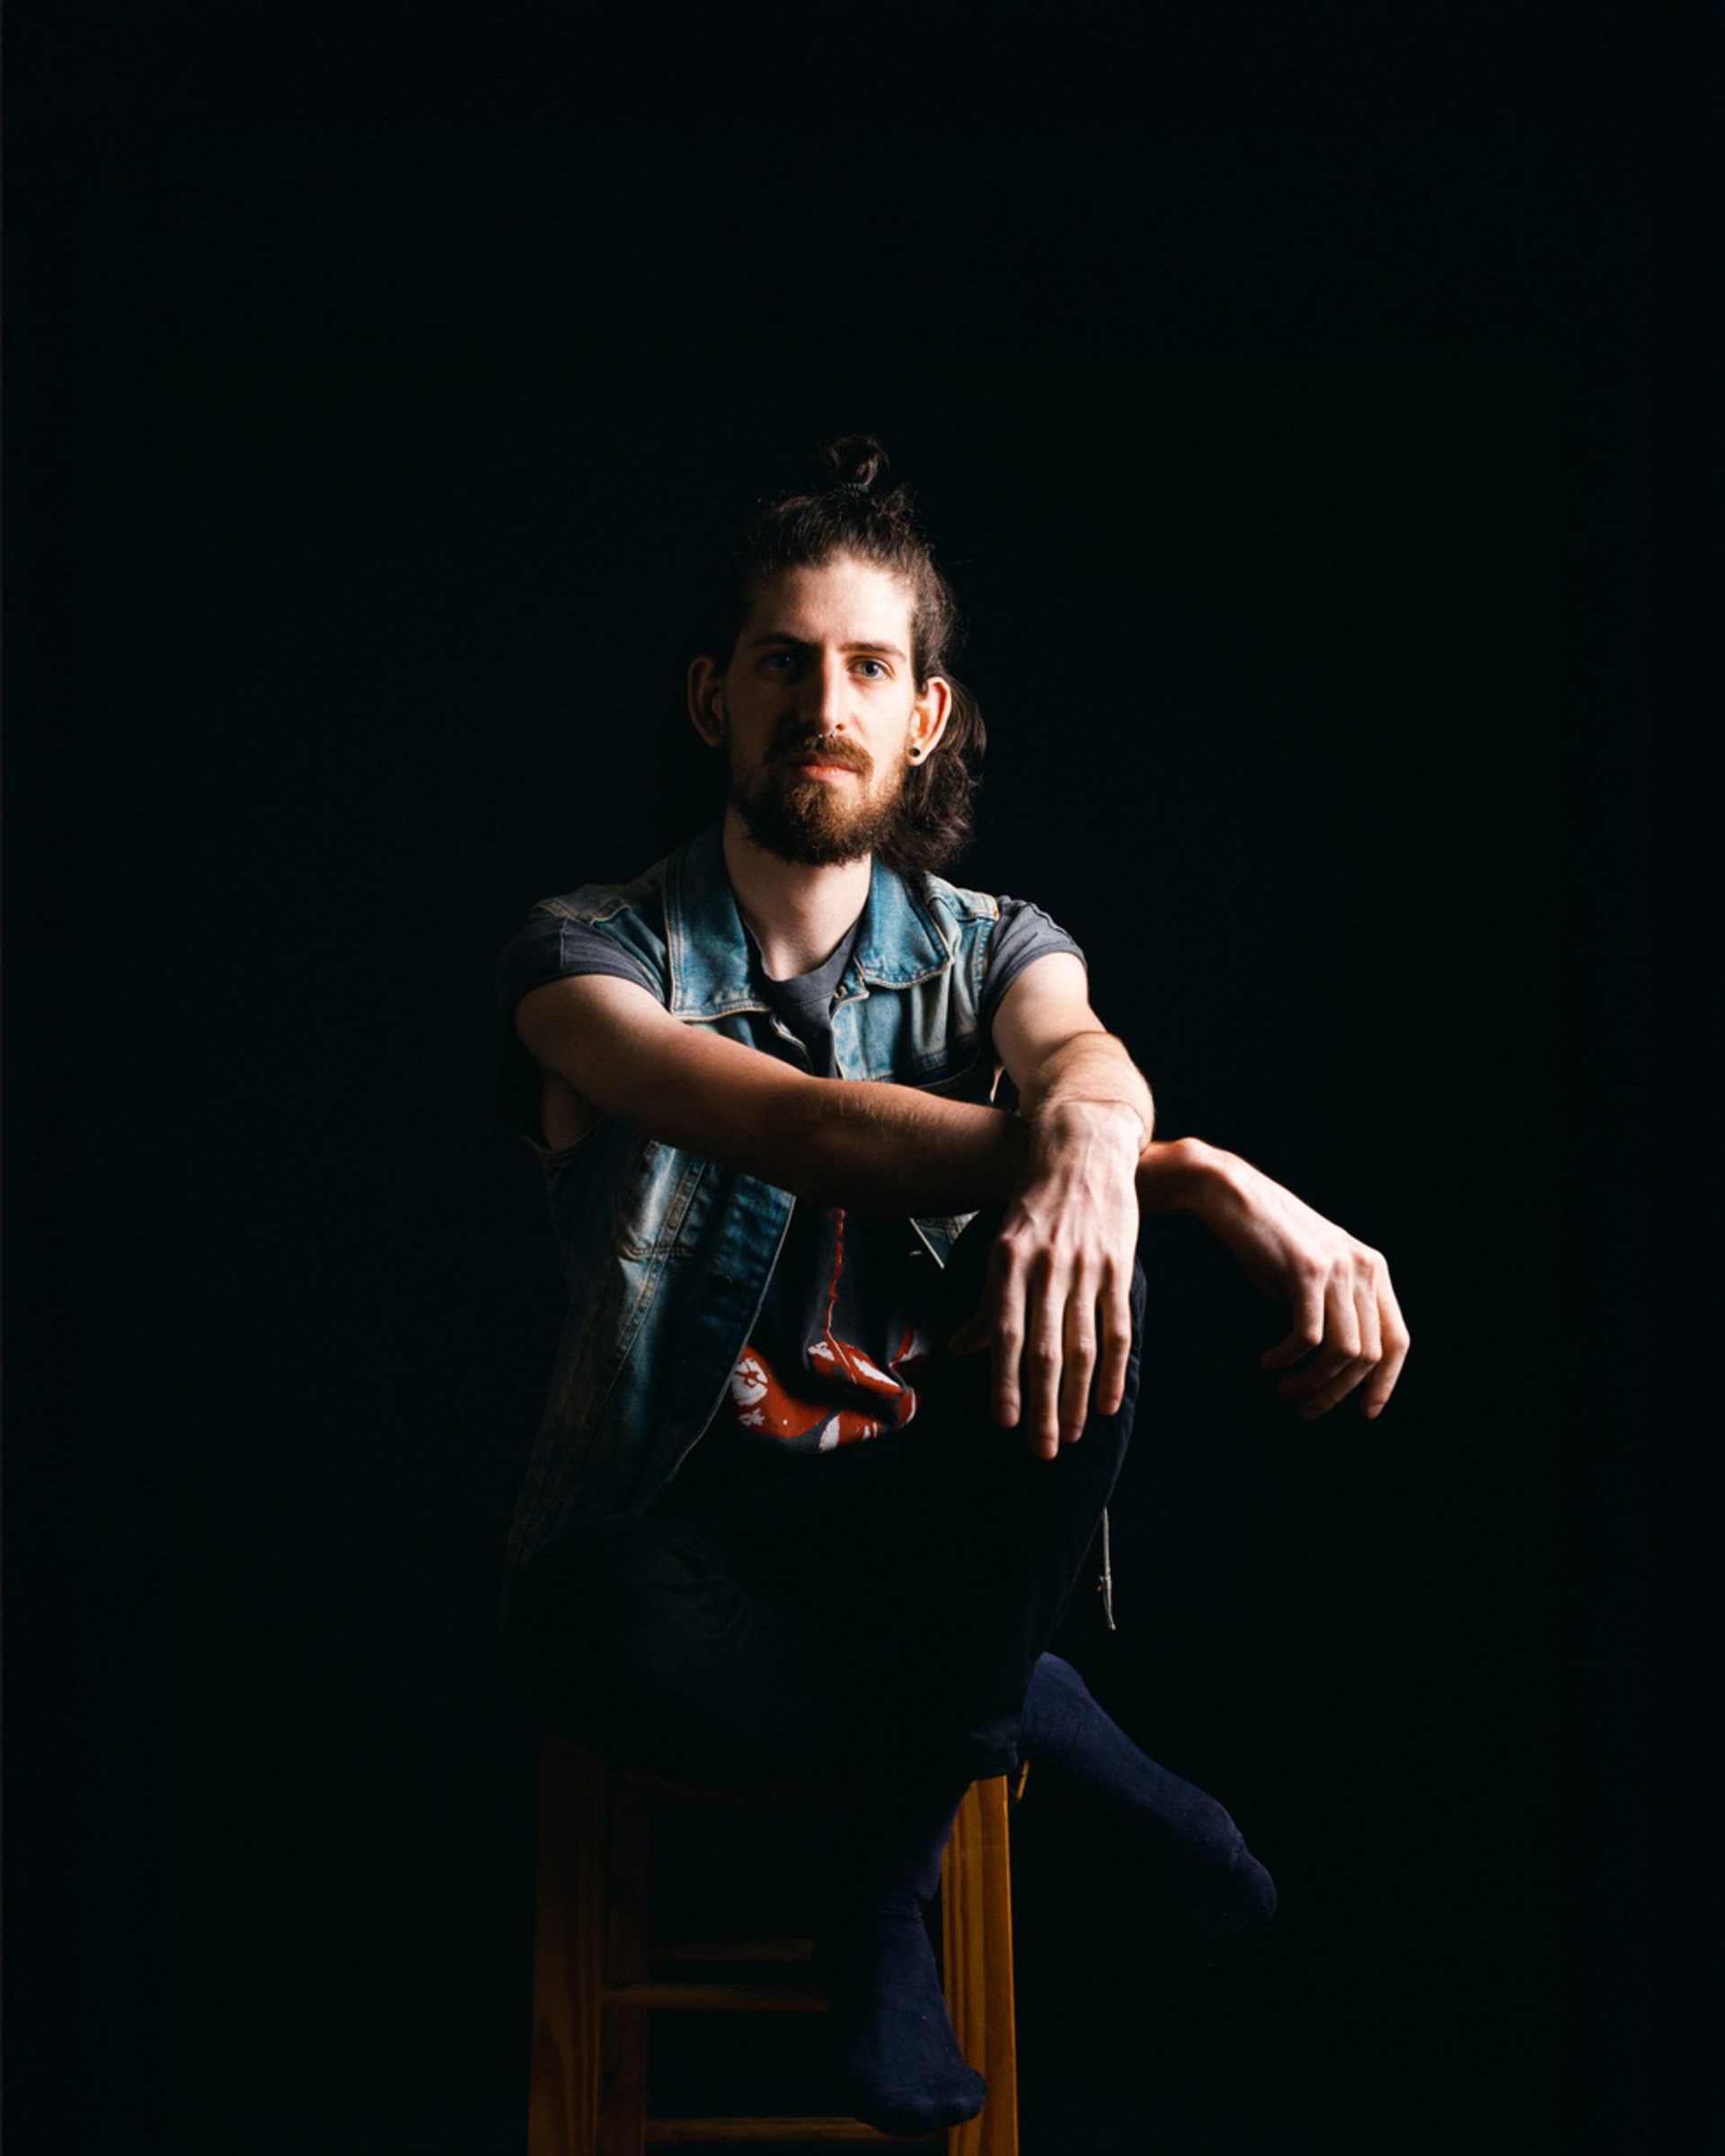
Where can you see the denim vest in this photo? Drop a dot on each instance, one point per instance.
(667, 1256)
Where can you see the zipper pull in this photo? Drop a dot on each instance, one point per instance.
(1105, 1584)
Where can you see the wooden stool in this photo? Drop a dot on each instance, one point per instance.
(593, 1987)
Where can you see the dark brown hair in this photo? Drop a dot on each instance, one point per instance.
(855, 515)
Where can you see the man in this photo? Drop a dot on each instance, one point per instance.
(782, 1517)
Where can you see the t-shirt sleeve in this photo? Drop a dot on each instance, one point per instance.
(547, 946)
(1023, 933)
(550, 947)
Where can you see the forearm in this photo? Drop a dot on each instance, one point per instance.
(1207, 1182)
(885, 1148)
(1185, 1175)
(1092, 1070)
(891, 1149)
(608, 1049)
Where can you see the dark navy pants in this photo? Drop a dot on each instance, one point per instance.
(826, 1611)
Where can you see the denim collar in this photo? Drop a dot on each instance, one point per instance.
(897, 943)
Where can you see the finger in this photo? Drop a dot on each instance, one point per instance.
(1306, 1332)
(1079, 1364)
(1340, 1353)
(1384, 1380)
(1116, 1347)
(1371, 1334)
(1346, 1374)
(1337, 1341)
(1363, 1364)
(1006, 1332)
(1339, 1386)
(1396, 1343)
(1044, 1355)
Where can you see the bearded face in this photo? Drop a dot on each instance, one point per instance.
(821, 713)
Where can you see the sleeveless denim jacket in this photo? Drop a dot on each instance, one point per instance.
(666, 1256)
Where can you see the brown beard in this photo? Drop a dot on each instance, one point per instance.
(805, 822)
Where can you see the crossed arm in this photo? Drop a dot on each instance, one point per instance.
(1074, 1170)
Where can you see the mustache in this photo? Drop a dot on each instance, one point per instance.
(831, 748)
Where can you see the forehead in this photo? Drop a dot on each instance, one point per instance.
(841, 600)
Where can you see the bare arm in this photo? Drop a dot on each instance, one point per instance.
(611, 1048)
(1055, 1310)
(1066, 1165)
(1073, 1172)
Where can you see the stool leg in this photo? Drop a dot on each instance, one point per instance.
(563, 2096)
(977, 1941)
(622, 2031)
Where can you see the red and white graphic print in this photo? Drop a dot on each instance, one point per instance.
(881, 1399)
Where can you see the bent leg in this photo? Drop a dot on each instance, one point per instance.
(1202, 1865)
(987, 1542)
(637, 1637)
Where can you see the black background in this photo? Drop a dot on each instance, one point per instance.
(1317, 409)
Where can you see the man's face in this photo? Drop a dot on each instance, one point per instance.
(819, 712)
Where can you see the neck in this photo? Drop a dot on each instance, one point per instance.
(800, 915)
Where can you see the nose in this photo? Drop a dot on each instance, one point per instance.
(823, 694)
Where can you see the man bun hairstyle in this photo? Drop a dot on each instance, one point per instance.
(856, 461)
(854, 513)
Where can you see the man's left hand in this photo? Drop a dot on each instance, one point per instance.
(1056, 1311)
(1346, 1328)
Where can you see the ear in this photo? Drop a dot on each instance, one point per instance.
(707, 701)
(928, 717)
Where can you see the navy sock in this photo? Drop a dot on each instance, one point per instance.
(1204, 1870)
(899, 2060)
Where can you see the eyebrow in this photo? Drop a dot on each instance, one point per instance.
(781, 636)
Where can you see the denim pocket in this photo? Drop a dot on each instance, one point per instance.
(656, 1213)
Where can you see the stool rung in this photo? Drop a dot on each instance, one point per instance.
(734, 1949)
(717, 1998)
(598, 1977)
(691, 2130)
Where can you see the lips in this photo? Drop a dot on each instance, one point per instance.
(837, 757)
